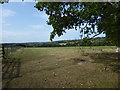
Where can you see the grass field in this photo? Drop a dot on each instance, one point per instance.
(63, 67)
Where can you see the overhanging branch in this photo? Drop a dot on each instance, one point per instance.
(94, 36)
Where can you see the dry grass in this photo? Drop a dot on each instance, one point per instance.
(65, 67)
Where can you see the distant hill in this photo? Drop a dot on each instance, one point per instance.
(98, 41)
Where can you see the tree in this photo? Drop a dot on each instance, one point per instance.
(4, 1)
(85, 16)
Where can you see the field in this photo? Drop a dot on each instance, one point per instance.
(62, 67)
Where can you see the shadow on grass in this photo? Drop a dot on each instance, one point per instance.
(10, 70)
(108, 59)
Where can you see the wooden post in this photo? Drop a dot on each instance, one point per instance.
(3, 51)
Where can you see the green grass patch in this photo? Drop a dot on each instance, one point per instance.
(65, 67)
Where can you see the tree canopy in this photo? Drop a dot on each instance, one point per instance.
(84, 16)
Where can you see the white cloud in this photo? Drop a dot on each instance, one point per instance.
(40, 27)
(5, 23)
(69, 35)
(8, 12)
(24, 36)
(41, 15)
(36, 26)
(0, 15)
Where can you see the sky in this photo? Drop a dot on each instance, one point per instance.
(21, 22)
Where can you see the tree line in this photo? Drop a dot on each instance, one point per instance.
(99, 41)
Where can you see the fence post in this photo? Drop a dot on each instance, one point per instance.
(3, 51)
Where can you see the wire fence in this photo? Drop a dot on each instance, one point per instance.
(6, 51)
(11, 63)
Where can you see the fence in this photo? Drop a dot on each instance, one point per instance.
(7, 50)
(0, 51)
(11, 63)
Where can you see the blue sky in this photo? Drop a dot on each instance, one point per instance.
(21, 22)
